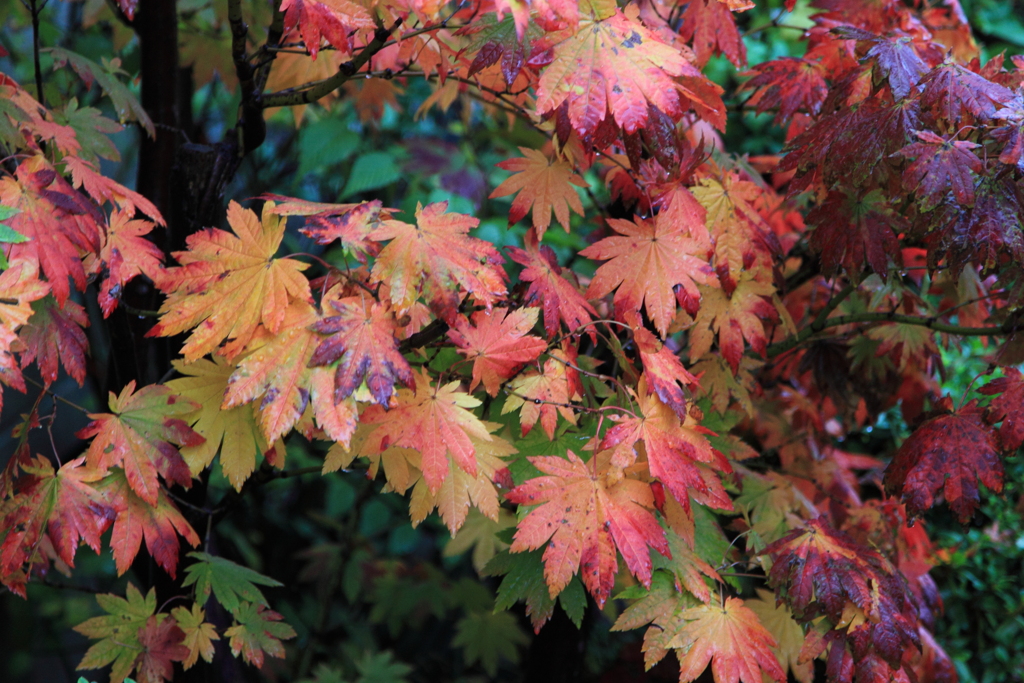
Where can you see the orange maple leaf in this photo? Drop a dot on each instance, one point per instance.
(587, 510)
(646, 262)
(362, 337)
(20, 285)
(435, 257)
(230, 284)
(498, 344)
(542, 395)
(610, 63)
(665, 373)
(731, 638)
(674, 448)
(734, 318)
(276, 371)
(432, 420)
(544, 185)
(138, 434)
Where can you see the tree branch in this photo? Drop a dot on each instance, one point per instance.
(345, 72)
(932, 323)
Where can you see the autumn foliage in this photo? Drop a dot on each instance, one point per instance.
(690, 388)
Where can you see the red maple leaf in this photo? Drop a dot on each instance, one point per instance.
(559, 297)
(136, 520)
(126, 253)
(1008, 407)
(948, 453)
(587, 510)
(330, 19)
(898, 62)
(362, 337)
(941, 166)
(854, 231)
(56, 332)
(162, 645)
(712, 28)
(959, 95)
(65, 503)
(60, 223)
(351, 224)
(498, 344)
(674, 449)
(788, 85)
(138, 434)
(665, 373)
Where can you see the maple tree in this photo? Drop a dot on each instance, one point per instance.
(700, 345)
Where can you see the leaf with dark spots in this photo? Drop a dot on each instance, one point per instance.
(947, 455)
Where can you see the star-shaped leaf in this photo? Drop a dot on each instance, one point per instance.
(437, 258)
(258, 632)
(230, 284)
(545, 185)
(141, 434)
(498, 344)
(587, 510)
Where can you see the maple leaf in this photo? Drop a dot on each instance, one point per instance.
(332, 20)
(161, 643)
(734, 318)
(231, 431)
(229, 284)
(126, 254)
(138, 434)
(102, 189)
(960, 95)
(434, 421)
(559, 298)
(1007, 407)
(498, 344)
(231, 584)
(61, 224)
(731, 638)
(504, 39)
(480, 533)
(788, 85)
(610, 63)
(587, 510)
(948, 453)
(125, 103)
(687, 567)
(542, 395)
(941, 166)
(351, 224)
(899, 63)
(118, 631)
(460, 489)
(647, 260)
(362, 337)
(711, 27)
(820, 570)
(199, 634)
(673, 448)
(66, 504)
(56, 332)
(545, 185)
(136, 520)
(788, 634)
(665, 374)
(20, 286)
(435, 257)
(855, 231)
(258, 632)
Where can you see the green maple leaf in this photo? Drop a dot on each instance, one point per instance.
(231, 583)
(118, 631)
(8, 234)
(488, 637)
